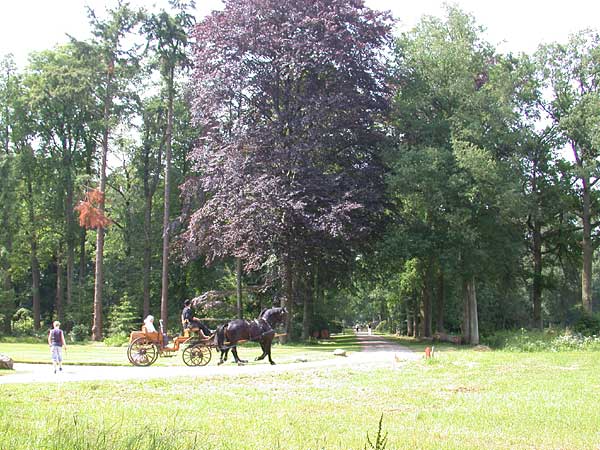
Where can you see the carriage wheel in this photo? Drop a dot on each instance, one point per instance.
(142, 352)
(197, 355)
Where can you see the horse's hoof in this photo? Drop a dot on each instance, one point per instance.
(241, 363)
(219, 363)
(272, 363)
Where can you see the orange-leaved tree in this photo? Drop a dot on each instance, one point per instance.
(90, 213)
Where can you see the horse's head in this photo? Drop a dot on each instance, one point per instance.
(275, 316)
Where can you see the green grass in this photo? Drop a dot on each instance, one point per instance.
(459, 400)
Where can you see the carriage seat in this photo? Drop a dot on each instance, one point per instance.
(152, 335)
(188, 330)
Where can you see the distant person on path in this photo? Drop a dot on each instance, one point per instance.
(190, 322)
(56, 341)
(369, 328)
(357, 326)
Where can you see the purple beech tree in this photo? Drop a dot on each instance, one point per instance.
(288, 94)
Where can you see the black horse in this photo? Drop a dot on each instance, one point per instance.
(260, 330)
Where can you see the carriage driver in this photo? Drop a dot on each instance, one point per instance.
(190, 322)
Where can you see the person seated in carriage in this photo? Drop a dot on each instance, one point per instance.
(149, 324)
(192, 323)
(150, 328)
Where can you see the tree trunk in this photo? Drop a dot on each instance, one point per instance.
(82, 260)
(59, 286)
(289, 300)
(415, 317)
(586, 273)
(238, 287)
(164, 298)
(70, 235)
(99, 275)
(35, 285)
(35, 265)
(536, 293)
(147, 262)
(439, 305)
(409, 319)
(7, 284)
(470, 319)
(149, 191)
(427, 303)
(309, 292)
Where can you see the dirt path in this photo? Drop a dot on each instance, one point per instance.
(376, 352)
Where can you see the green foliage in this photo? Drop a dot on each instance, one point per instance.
(23, 323)
(383, 327)
(588, 324)
(380, 440)
(539, 341)
(116, 340)
(123, 318)
(79, 333)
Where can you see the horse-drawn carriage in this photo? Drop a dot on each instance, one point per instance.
(145, 347)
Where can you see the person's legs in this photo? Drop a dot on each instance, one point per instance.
(54, 352)
(59, 353)
(205, 330)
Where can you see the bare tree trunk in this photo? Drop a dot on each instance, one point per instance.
(99, 275)
(238, 286)
(7, 284)
(35, 285)
(59, 286)
(415, 316)
(427, 303)
(536, 293)
(147, 256)
(309, 292)
(289, 300)
(439, 310)
(70, 235)
(409, 319)
(586, 273)
(470, 318)
(149, 190)
(164, 298)
(35, 265)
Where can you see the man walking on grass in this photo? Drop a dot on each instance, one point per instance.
(56, 341)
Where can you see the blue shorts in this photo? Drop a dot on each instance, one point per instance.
(56, 353)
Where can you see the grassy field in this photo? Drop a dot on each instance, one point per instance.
(460, 400)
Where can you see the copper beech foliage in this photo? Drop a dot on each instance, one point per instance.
(288, 94)
(90, 215)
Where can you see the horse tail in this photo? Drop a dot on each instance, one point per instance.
(219, 338)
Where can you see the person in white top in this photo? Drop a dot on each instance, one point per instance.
(149, 324)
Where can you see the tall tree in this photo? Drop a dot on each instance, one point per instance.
(8, 81)
(289, 93)
(61, 84)
(450, 175)
(150, 164)
(573, 86)
(109, 36)
(169, 35)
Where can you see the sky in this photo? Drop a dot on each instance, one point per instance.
(512, 25)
